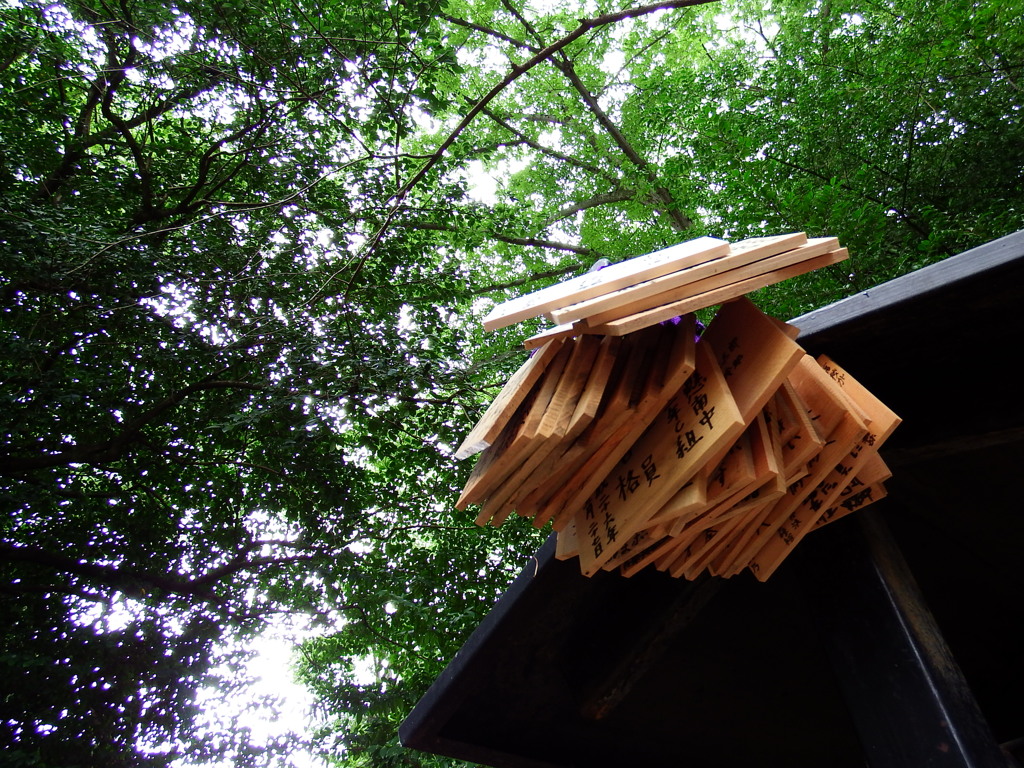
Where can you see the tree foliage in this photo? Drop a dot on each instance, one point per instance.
(877, 124)
(207, 390)
(241, 256)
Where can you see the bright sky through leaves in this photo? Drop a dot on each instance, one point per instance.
(242, 264)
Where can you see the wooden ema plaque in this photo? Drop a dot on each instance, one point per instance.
(567, 545)
(606, 396)
(865, 488)
(613, 414)
(594, 399)
(667, 373)
(691, 541)
(500, 460)
(538, 468)
(504, 405)
(609, 279)
(694, 425)
(638, 542)
(641, 448)
(652, 293)
(766, 481)
(881, 422)
(844, 428)
(729, 537)
(489, 463)
(799, 437)
(801, 519)
(733, 477)
(753, 353)
(749, 265)
(642, 319)
(563, 331)
(740, 266)
(552, 429)
(686, 503)
(695, 557)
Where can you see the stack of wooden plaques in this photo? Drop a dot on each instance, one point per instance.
(647, 290)
(652, 447)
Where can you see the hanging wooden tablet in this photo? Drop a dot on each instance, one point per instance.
(637, 543)
(504, 405)
(703, 549)
(653, 293)
(754, 355)
(801, 438)
(553, 426)
(612, 418)
(830, 409)
(764, 483)
(695, 424)
(567, 546)
(686, 503)
(734, 269)
(635, 322)
(671, 372)
(610, 278)
(498, 467)
(866, 488)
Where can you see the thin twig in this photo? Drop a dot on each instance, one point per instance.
(517, 71)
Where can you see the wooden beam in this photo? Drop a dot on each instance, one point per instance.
(647, 293)
(608, 279)
(648, 317)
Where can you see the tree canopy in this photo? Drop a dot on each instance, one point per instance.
(243, 250)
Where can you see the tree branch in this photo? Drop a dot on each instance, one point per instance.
(604, 198)
(82, 140)
(18, 589)
(529, 279)
(523, 139)
(905, 216)
(524, 241)
(135, 582)
(517, 71)
(115, 448)
(490, 32)
(230, 207)
(562, 62)
(678, 220)
(186, 204)
(522, 20)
